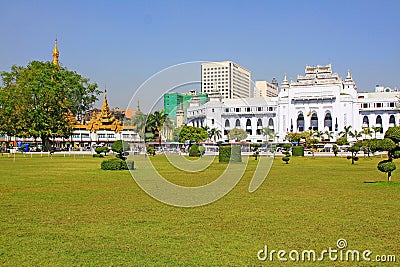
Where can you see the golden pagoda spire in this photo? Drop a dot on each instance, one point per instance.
(55, 54)
(105, 106)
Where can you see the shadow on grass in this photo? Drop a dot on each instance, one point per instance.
(383, 183)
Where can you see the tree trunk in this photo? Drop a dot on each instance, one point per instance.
(389, 177)
(46, 143)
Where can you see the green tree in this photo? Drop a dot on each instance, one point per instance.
(268, 133)
(354, 149)
(155, 122)
(366, 132)
(237, 134)
(328, 135)
(335, 150)
(376, 130)
(102, 149)
(294, 137)
(311, 142)
(42, 100)
(215, 134)
(139, 121)
(389, 144)
(191, 133)
(342, 141)
(355, 134)
(120, 147)
(346, 132)
(318, 134)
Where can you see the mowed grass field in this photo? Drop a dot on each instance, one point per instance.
(63, 211)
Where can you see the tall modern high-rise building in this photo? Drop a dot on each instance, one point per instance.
(266, 89)
(226, 77)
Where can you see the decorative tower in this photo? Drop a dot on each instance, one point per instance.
(285, 84)
(55, 54)
(348, 82)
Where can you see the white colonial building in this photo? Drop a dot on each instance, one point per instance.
(319, 100)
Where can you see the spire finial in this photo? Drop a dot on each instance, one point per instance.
(55, 53)
(349, 75)
(138, 105)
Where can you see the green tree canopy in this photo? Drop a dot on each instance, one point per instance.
(214, 133)
(190, 133)
(237, 134)
(390, 144)
(41, 99)
(155, 122)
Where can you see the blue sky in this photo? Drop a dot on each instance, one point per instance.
(120, 44)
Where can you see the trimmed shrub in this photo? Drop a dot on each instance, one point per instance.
(202, 150)
(102, 149)
(286, 159)
(386, 166)
(298, 151)
(98, 156)
(114, 164)
(194, 151)
(230, 153)
(120, 147)
(151, 151)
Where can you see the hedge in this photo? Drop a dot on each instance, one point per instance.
(230, 154)
(114, 164)
(298, 151)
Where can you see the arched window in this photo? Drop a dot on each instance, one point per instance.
(379, 122)
(259, 127)
(314, 121)
(227, 124)
(392, 121)
(271, 124)
(248, 127)
(259, 123)
(237, 124)
(328, 121)
(300, 122)
(365, 122)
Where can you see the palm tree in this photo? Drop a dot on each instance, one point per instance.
(376, 129)
(346, 132)
(214, 133)
(268, 133)
(155, 122)
(356, 134)
(139, 121)
(328, 134)
(168, 129)
(366, 132)
(316, 133)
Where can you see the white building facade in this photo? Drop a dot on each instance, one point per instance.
(229, 78)
(319, 100)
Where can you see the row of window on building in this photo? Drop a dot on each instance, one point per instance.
(378, 105)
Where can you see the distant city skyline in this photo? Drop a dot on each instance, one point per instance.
(119, 45)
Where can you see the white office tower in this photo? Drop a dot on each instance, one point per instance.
(229, 78)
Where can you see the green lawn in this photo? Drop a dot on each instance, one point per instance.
(63, 211)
